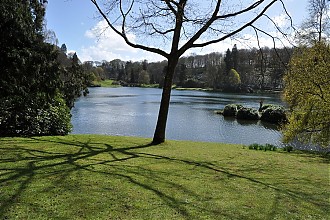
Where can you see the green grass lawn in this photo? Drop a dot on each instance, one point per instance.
(104, 177)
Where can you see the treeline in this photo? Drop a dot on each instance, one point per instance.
(236, 70)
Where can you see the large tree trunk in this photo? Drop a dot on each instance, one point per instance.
(159, 135)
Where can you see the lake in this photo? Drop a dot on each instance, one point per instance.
(131, 111)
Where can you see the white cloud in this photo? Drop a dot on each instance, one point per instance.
(109, 46)
(220, 47)
(281, 20)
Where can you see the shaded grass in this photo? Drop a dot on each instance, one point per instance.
(103, 177)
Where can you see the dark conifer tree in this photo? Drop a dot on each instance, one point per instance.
(30, 101)
(64, 49)
(234, 54)
(228, 61)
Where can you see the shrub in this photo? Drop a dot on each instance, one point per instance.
(31, 116)
(231, 109)
(274, 114)
(270, 147)
(247, 114)
(265, 147)
(264, 107)
(288, 148)
(254, 146)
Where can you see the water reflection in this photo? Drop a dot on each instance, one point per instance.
(264, 124)
(133, 112)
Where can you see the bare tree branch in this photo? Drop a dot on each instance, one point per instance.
(168, 3)
(123, 35)
(191, 44)
(274, 43)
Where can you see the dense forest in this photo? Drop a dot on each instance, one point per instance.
(237, 70)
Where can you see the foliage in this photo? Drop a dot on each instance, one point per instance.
(307, 91)
(30, 84)
(27, 63)
(288, 148)
(231, 109)
(247, 114)
(270, 113)
(203, 71)
(274, 114)
(143, 77)
(33, 116)
(265, 106)
(192, 83)
(64, 49)
(233, 78)
(74, 80)
(265, 147)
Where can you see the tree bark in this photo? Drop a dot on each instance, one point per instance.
(159, 135)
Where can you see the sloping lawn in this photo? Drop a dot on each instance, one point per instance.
(104, 177)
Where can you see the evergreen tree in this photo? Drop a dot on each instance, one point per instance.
(64, 49)
(74, 81)
(234, 54)
(30, 101)
(228, 61)
(144, 64)
(182, 74)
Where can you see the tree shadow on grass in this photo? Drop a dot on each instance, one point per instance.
(24, 165)
(22, 176)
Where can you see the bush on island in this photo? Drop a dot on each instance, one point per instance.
(247, 114)
(274, 114)
(265, 106)
(231, 109)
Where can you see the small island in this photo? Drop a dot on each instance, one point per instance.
(270, 113)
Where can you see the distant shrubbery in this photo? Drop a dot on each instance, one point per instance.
(265, 147)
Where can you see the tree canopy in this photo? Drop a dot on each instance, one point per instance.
(307, 91)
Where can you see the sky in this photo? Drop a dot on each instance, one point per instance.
(75, 21)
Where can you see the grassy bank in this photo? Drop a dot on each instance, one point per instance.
(103, 177)
(195, 89)
(105, 83)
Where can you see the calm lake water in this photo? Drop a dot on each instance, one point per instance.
(128, 111)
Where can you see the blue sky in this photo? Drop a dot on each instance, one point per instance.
(73, 22)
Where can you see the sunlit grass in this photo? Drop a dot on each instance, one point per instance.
(103, 177)
(107, 83)
(104, 83)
